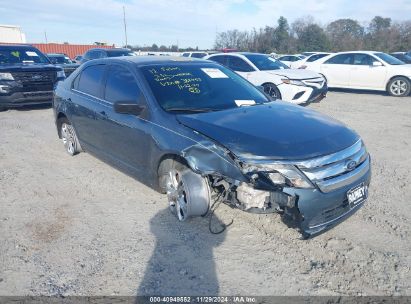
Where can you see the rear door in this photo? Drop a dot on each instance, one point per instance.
(337, 70)
(86, 102)
(365, 75)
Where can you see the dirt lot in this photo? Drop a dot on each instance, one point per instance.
(75, 226)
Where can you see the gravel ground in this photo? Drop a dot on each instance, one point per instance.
(76, 226)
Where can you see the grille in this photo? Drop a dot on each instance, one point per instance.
(339, 169)
(330, 214)
(36, 81)
(315, 82)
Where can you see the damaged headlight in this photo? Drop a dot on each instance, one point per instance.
(280, 174)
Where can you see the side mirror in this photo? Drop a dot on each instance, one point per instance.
(377, 63)
(128, 107)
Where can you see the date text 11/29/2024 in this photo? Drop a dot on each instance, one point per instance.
(203, 299)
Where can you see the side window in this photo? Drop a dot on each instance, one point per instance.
(363, 59)
(284, 58)
(186, 54)
(121, 85)
(340, 59)
(316, 57)
(239, 65)
(91, 80)
(220, 59)
(294, 58)
(75, 82)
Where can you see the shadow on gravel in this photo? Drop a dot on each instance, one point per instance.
(182, 262)
(352, 91)
(29, 108)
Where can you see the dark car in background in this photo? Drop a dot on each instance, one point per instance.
(197, 131)
(98, 53)
(78, 58)
(403, 56)
(63, 61)
(26, 76)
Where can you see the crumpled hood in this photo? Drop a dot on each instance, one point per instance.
(276, 130)
(295, 73)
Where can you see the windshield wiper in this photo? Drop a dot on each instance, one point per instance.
(190, 110)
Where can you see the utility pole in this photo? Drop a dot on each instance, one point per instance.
(45, 36)
(125, 24)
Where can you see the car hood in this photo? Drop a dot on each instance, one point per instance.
(295, 73)
(275, 130)
(28, 67)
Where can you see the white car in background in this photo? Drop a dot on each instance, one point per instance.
(289, 59)
(303, 63)
(365, 70)
(278, 81)
(195, 54)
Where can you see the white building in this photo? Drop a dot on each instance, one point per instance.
(11, 34)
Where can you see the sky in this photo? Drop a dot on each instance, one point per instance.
(186, 22)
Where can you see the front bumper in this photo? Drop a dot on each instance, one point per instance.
(320, 211)
(19, 99)
(302, 94)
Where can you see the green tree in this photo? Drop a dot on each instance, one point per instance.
(313, 38)
(345, 35)
(281, 36)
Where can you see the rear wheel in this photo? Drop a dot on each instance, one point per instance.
(69, 137)
(399, 86)
(188, 193)
(272, 90)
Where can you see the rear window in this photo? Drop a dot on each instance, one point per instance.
(119, 53)
(21, 55)
(199, 87)
(198, 55)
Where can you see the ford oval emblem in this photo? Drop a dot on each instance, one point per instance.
(351, 164)
(37, 77)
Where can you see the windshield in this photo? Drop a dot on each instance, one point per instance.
(404, 58)
(60, 59)
(389, 59)
(21, 55)
(200, 88)
(266, 63)
(120, 53)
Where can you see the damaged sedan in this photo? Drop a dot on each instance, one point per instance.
(198, 132)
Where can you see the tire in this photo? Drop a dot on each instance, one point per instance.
(399, 87)
(188, 193)
(69, 137)
(271, 90)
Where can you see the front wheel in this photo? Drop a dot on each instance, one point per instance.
(399, 87)
(188, 193)
(69, 137)
(271, 90)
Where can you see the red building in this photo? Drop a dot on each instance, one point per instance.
(72, 50)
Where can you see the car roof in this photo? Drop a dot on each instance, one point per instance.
(358, 52)
(14, 46)
(110, 50)
(149, 60)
